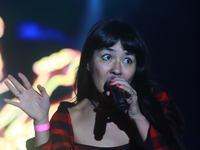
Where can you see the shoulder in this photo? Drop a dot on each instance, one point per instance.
(80, 106)
(171, 111)
(159, 92)
(66, 110)
(65, 106)
(62, 113)
(61, 120)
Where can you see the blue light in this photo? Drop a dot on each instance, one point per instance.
(28, 31)
(33, 31)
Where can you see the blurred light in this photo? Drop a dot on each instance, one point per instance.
(56, 68)
(29, 31)
(15, 126)
(1, 65)
(7, 115)
(15, 130)
(21, 143)
(93, 13)
(6, 144)
(2, 27)
(33, 31)
(3, 87)
(95, 7)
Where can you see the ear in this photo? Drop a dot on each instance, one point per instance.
(88, 67)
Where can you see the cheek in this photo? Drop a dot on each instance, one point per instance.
(130, 74)
(95, 71)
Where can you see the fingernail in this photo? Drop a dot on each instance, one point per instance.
(111, 82)
(112, 79)
(118, 84)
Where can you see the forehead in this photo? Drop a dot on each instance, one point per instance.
(116, 48)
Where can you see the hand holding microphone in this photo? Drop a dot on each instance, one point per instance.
(118, 95)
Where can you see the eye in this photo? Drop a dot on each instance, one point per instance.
(106, 57)
(128, 61)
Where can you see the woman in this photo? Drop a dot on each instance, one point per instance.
(150, 121)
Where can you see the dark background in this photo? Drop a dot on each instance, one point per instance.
(169, 28)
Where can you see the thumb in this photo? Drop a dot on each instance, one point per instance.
(42, 91)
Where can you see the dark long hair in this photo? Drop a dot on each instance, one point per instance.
(105, 34)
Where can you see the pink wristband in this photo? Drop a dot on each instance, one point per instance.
(43, 127)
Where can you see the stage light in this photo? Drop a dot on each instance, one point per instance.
(15, 126)
(2, 27)
(34, 31)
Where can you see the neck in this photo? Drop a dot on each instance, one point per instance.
(103, 104)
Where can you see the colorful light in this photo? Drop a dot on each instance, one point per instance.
(52, 71)
(2, 27)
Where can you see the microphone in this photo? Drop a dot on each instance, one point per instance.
(118, 94)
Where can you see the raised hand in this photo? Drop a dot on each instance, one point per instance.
(35, 105)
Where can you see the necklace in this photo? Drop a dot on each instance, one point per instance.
(96, 106)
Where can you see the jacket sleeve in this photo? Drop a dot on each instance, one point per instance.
(171, 111)
(174, 117)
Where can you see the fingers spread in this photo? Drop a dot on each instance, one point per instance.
(17, 85)
(12, 89)
(25, 81)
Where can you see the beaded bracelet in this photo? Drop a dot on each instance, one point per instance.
(43, 127)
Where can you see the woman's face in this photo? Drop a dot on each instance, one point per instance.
(111, 61)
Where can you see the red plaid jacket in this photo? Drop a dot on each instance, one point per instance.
(61, 133)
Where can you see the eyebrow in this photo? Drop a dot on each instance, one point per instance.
(129, 53)
(113, 50)
(108, 48)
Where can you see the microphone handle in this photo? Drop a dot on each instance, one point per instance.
(119, 98)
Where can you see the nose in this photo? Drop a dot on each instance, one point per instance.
(116, 69)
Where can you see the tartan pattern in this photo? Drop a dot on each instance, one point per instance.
(157, 139)
(61, 132)
(62, 138)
